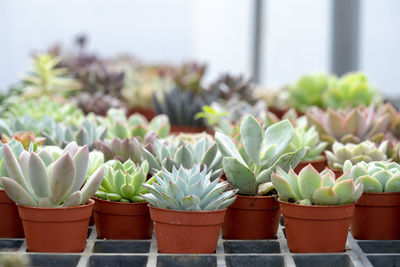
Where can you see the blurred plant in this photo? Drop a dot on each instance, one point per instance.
(212, 115)
(26, 123)
(308, 90)
(98, 103)
(188, 77)
(394, 120)
(351, 90)
(274, 98)
(349, 126)
(228, 86)
(121, 150)
(14, 259)
(25, 138)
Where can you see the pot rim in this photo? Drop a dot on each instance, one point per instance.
(323, 159)
(89, 203)
(380, 194)
(260, 197)
(188, 211)
(316, 206)
(118, 202)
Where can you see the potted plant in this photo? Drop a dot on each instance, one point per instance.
(255, 214)
(377, 212)
(187, 209)
(54, 210)
(316, 209)
(10, 223)
(308, 138)
(365, 151)
(119, 211)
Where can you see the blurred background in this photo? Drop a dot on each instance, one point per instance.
(273, 41)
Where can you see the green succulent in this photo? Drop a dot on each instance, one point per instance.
(365, 151)
(308, 90)
(313, 188)
(376, 176)
(250, 170)
(308, 138)
(12, 125)
(17, 148)
(123, 181)
(37, 179)
(351, 90)
(121, 150)
(229, 86)
(188, 189)
(168, 156)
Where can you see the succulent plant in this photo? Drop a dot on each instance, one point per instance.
(86, 134)
(121, 150)
(47, 79)
(229, 86)
(250, 170)
(188, 76)
(376, 176)
(14, 259)
(123, 181)
(39, 180)
(26, 138)
(308, 90)
(98, 103)
(393, 117)
(348, 126)
(351, 90)
(366, 151)
(308, 138)
(203, 152)
(313, 188)
(26, 123)
(188, 189)
(17, 149)
(275, 98)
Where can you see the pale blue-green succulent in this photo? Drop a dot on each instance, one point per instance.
(17, 148)
(188, 189)
(36, 179)
(313, 188)
(250, 169)
(122, 150)
(376, 176)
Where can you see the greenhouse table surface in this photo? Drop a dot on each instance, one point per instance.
(230, 253)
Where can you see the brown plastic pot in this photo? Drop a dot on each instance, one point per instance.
(10, 223)
(319, 165)
(148, 113)
(118, 220)
(377, 217)
(252, 217)
(316, 229)
(177, 129)
(189, 232)
(56, 229)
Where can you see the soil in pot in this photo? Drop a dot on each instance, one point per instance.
(10, 223)
(56, 229)
(188, 232)
(337, 173)
(316, 229)
(118, 220)
(319, 165)
(377, 217)
(252, 217)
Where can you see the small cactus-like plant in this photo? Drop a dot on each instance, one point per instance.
(365, 151)
(188, 189)
(313, 188)
(36, 179)
(250, 170)
(123, 181)
(376, 176)
(122, 150)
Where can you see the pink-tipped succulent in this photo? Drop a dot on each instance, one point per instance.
(350, 125)
(122, 150)
(394, 120)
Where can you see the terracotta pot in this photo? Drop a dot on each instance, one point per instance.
(337, 173)
(319, 165)
(91, 220)
(56, 229)
(148, 113)
(189, 232)
(118, 220)
(177, 129)
(377, 217)
(252, 217)
(316, 229)
(10, 223)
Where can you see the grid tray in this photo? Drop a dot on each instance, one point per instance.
(230, 253)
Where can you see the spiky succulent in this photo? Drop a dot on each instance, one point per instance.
(123, 181)
(26, 123)
(376, 176)
(348, 126)
(188, 76)
(366, 151)
(351, 90)
(188, 189)
(86, 134)
(308, 138)
(250, 170)
(17, 149)
(170, 155)
(313, 188)
(308, 90)
(229, 86)
(39, 180)
(121, 150)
